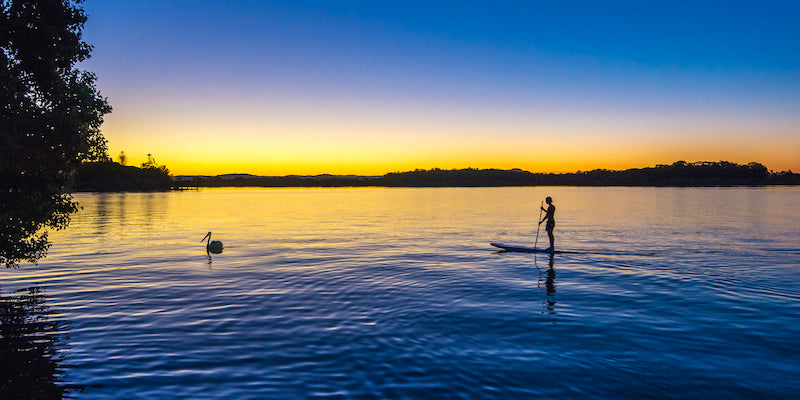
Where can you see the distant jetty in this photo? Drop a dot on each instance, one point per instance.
(681, 173)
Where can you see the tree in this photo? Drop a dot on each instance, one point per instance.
(152, 165)
(123, 159)
(50, 117)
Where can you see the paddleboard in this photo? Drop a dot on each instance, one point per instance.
(524, 249)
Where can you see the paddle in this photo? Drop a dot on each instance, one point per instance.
(538, 225)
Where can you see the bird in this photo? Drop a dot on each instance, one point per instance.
(212, 246)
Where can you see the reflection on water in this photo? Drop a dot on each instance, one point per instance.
(31, 341)
(396, 293)
(549, 283)
(101, 222)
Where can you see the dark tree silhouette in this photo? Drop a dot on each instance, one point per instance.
(50, 117)
(681, 173)
(108, 176)
(152, 165)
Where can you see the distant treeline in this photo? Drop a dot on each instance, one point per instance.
(681, 173)
(108, 176)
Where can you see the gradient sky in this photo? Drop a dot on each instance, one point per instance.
(369, 87)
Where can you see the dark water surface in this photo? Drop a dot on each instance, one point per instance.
(396, 293)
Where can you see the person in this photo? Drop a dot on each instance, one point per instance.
(551, 222)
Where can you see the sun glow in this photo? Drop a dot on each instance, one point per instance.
(206, 143)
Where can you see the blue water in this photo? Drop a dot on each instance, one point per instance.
(396, 293)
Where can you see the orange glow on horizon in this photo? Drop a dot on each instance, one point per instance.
(375, 142)
(526, 158)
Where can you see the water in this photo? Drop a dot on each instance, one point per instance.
(395, 293)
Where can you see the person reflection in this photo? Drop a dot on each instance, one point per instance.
(550, 282)
(549, 286)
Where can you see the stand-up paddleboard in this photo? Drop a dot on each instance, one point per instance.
(523, 249)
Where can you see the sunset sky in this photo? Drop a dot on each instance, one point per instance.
(369, 87)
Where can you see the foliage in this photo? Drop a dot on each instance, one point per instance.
(151, 164)
(681, 173)
(50, 117)
(108, 176)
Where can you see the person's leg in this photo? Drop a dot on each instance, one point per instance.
(552, 240)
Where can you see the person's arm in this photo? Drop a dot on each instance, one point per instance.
(548, 214)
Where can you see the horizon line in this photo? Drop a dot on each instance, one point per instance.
(480, 169)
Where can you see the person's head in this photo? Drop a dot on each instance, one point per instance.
(548, 200)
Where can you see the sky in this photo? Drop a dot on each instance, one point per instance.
(369, 87)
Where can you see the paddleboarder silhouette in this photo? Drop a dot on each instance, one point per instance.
(549, 216)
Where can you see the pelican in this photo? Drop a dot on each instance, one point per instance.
(212, 246)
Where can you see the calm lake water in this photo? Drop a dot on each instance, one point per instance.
(396, 293)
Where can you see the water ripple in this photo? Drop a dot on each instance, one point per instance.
(379, 293)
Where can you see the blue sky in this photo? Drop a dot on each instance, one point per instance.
(275, 87)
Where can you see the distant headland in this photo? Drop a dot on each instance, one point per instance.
(681, 173)
(109, 176)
